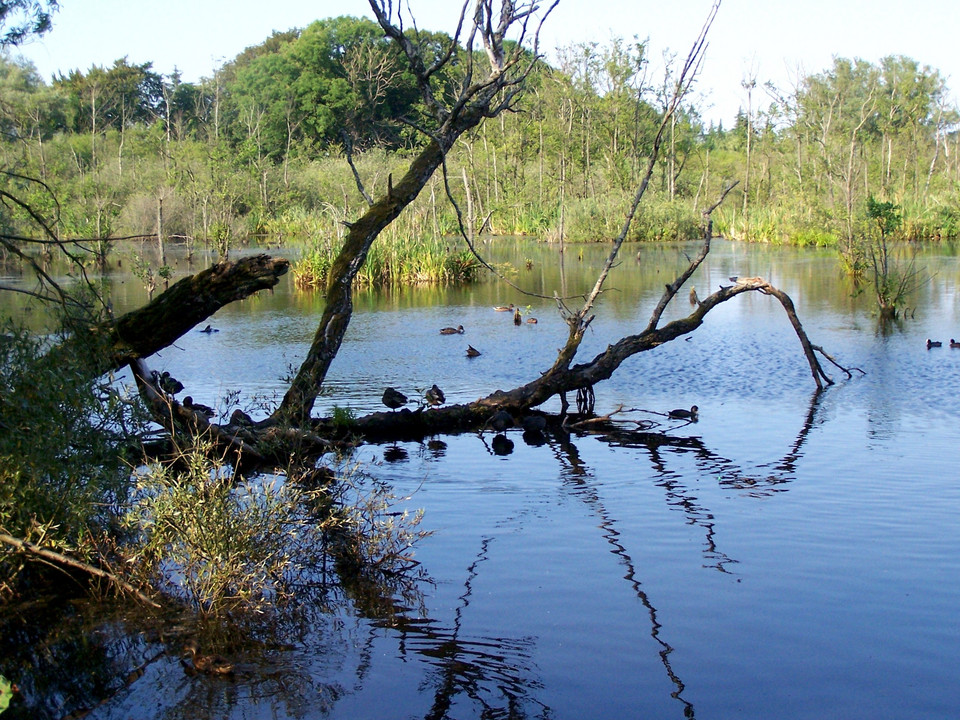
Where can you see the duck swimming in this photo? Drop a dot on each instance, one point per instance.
(504, 308)
(472, 352)
(933, 343)
(458, 330)
(194, 662)
(681, 414)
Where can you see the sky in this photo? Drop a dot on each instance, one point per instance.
(769, 40)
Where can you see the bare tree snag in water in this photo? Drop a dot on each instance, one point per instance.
(478, 97)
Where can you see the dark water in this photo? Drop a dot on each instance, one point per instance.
(790, 555)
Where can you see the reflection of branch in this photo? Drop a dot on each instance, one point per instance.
(610, 533)
(465, 665)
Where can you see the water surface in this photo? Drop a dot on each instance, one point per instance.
(790, 555)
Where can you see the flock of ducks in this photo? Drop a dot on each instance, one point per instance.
(502, 420)
(938, 343)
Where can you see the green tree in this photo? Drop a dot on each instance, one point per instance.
(20, 19)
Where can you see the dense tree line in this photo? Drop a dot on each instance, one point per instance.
(259, 146)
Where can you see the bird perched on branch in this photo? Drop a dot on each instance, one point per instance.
(166, 382)
(393, 399)
(500, 421)
(458, 330)
(681, 414)
(694, 300)
(205, 410)
(434, 396)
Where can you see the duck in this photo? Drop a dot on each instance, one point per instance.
(694, 300)
(166, 382)
(533, 423)
(532, 321)
(458, 330)
(500, 421)
(933, 343)
(434, 396)
(517, 318)
(503, 308)
(209, 329)
(205, 410)
(681, 414)
(393, 398)
(472, 352)
(194, 662)
(954, 343)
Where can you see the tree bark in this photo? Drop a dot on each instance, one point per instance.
(158, 324)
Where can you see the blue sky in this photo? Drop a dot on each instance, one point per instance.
(771, 40)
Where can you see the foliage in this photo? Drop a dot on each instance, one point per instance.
(224, 543)
(258, 148)
(61, 449)
(893, 276)
(20, 19)
(213, 542)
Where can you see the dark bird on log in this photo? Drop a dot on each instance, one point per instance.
(434, 396)
(239, 417)
(954, 343)
(516, 317)
(694, 300)
(458, 330)
(166, 382)
(205, 410)
(195, 662)
(690, 414)
(503, 308)
(500, 421)
(933, 343)
(209, 329)
(536, 423)
(472, 352)
(393, 399)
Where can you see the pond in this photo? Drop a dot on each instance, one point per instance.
(789, 555)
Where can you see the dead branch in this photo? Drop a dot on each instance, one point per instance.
(64, 561)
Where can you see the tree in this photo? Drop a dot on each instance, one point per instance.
(20, 19)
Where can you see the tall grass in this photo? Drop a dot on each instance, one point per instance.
(396, 259)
